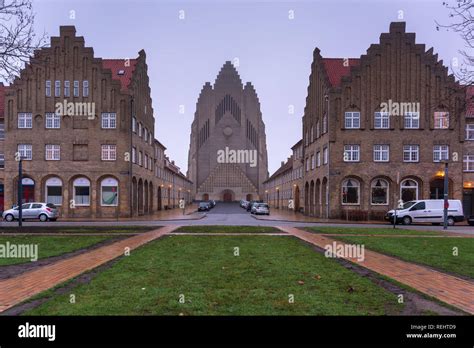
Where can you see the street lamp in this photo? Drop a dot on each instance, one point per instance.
(445, 195)
(20, 158)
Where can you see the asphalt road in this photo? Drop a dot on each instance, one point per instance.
(232, 214)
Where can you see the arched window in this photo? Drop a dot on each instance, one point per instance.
(350, 191)
(409, 190)
(109, 192)
(54, 191)
(379, 192)
(81, 187)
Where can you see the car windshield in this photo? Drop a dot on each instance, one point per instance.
(408, 204)
(203, 203)
(51, 205)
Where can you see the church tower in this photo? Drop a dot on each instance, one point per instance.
(227, 158)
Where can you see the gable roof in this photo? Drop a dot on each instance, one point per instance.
(336, 68)
(116, 65)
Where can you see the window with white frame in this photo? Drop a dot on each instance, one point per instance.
(54, 191)
(145, 134)
(350, 191)
(470, 131)
(409, 190)
(379, 192)
(81, 189)
(140, 158)
(57, 88)
(25, 120)
(85, 88)
(109, 189)
(468, 161)
(325, 124)
(318, 159)
(75, 90)
(351, 153)
(381, 153)
(53, 120)
(67, 88)
(134, 155)
(412, 120)
(441, 120)
(109, 120)
(2, 161)
(382, 120)
(134, 124)
(325, 155)
(313, 162)
(352, 120)
(48, 88)
(139, 129)
(25, 151)
(411, 153)
(52, 152)
(440, 153)
(109, 152)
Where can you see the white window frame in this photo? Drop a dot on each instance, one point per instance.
(469, 131)
(134, 154)
(352, 120)
(52, 120)
(134, 124)
(67, 88)
(49, 183)
(381, 120)
(441, 121)
(57, 88)
(26, 151)
(439, 151)
(74, 185)
(352, 151)
(52, 152)
(25, 120)
(379, 151)
(76, 89)
(102, 185)
(85, 88)
(468, 163)
(410, 150)
(344, 185)
(325, 155)
(47, 90)
(387, 188)
(109, 120)
(402, 186)
(109, 152)
(411, 120)
(318, 159)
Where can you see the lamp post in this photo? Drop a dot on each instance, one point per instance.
(20, 190)
(445, 195)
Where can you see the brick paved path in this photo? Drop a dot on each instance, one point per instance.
(447, 288)
(17, 289)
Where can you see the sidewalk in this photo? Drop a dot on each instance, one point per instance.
(291, 216)
(16, 290)
(447, 288)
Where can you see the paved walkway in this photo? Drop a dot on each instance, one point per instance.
(16, 290)
(447, 288)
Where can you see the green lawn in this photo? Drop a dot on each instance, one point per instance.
(79, 229)
(228, 229)
(435, 252)
(48, 245)
(215, 282)
(368, 230)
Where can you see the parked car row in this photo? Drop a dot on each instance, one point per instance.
(32, 211)
(256, 207)
(206, 205)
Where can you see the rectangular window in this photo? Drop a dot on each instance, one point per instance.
(2, 161)
(134, 155)
(440, 153)
(67, 88)
(146, 161)
(382, 120)
(53, 121)
(109, 120)
(325, 155)
(145, 134)
(351, 153)
(381, 153)
(76, 89)
(48, 88)
(411, 153)
(313, 164)
(468, 163)
(441, 120)
(25, 120)
(412, 120)
(139, 129)
(109, 152)
(352, 120)
(470, 131)
(26, 151)
(2, 129)
(318, 159)
(134, 124)
(53, 152)
(85, 88)
(57, 88)
(140, 159)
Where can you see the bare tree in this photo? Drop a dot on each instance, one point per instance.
(17, 37)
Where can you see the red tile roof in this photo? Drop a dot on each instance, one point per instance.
(2, 100)
(470, 101)
(336, 68)
(119, 64)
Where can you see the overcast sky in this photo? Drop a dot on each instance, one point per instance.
(273, 42)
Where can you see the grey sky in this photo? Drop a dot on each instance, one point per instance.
(274, 52)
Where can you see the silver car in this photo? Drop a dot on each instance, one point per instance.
(34, 210)
(260, 208)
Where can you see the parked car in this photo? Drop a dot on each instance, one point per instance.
(204, 206)
(470, 220)
(245, 204)
(34, 210)
(251, 203)
(213, 203)
(260, 208)
(429, 210)
(242, 203)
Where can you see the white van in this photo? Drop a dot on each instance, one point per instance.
(428, 210)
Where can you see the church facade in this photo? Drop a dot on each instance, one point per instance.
(227, 158)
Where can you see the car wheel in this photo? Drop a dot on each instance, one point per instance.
(450, 221)
(406, 220)
(43, 218)
(9, 218)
